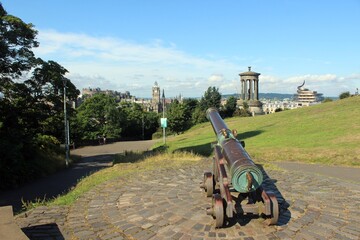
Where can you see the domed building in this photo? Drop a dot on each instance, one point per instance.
(250, 91)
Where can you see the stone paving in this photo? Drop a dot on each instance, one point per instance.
(168, 204)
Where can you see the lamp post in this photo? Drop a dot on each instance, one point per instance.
(66, 127)
(143, 126)
(164, 119)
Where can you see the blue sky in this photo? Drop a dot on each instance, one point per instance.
(187, 46)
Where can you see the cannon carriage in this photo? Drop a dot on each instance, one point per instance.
(235, 183)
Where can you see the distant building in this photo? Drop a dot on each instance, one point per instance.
(303, 97)
(156, 105)
(306, 97)
(270, 106)
(89, 92)
(250, 91)
(118, 95)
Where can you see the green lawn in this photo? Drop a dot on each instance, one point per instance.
(327, 133)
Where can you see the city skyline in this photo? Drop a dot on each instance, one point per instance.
(188, 46)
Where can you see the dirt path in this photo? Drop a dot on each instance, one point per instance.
(93, 159)
(344, 173)
(114, 148)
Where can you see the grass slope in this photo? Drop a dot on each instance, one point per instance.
(327, 133)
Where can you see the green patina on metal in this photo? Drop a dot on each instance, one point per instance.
(239, 178)
(232, 162)
(245, 175)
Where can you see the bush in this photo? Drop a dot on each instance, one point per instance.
(242, 113)
(344, 95)
(22, 162)
(157, 135)
(327, 100)
(46, 142)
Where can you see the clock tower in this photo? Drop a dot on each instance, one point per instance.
(155, 101)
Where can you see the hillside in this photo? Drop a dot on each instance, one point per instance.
(327, 133)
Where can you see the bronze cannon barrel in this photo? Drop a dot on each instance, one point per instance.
(245, 175)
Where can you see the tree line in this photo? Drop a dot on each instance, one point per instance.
(183, 115)
(31, 103)
(100, 115)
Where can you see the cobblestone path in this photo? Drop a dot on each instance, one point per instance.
(168, 204)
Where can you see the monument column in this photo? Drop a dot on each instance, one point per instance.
(245, 89)
(256, 89)
(251, 97)
(250, 91)
(242, 89)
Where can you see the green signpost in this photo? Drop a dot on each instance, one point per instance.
(163, 122)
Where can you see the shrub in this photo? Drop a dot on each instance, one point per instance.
(327, 100)
(46, 141)
(344, 95)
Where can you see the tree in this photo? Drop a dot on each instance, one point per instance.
(47, 88)
(230, 107)
(134, 115)
(137, 121)
(16, 41)
(150, 123)
(344, 95)
(211, 98)
(177, 119)
(198, 116)
(190, 106)
(30, 109)
(98, 116)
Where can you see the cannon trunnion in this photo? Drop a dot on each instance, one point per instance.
(235, 183)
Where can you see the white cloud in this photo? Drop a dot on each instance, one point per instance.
(120, 63)
(216, 78)
(89, 80)
(111, 63)
(328, 84)
(313, 78)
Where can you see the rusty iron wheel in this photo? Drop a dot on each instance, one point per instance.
(218, 207)
(209, 185)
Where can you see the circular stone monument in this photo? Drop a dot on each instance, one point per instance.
(250, 91)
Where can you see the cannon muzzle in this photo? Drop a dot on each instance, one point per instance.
(245, 175)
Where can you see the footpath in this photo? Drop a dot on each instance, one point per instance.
(93, 159)
(168, 204)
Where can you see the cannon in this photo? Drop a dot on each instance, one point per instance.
(235, 183)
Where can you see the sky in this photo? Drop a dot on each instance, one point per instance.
(187, 46)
